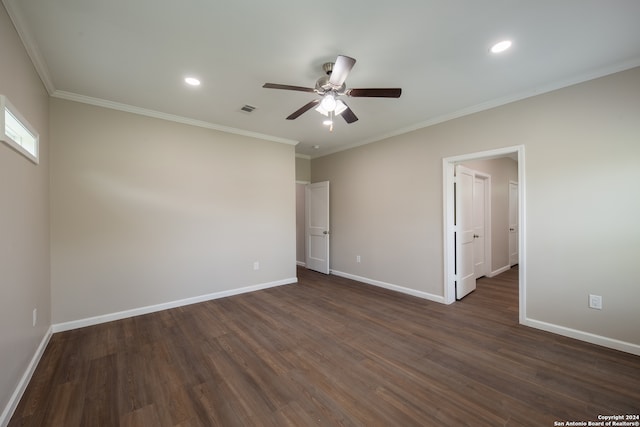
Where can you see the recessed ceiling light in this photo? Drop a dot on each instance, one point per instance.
(501, 46)
(192, 81)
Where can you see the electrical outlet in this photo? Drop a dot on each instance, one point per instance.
(35, 316)
(256, 265)
(357, 258)
(595, 301)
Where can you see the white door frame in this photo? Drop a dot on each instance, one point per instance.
(448, 166)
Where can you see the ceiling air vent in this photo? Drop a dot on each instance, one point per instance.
(248, 108)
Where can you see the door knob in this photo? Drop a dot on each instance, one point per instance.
(475, 236)
(325, 232)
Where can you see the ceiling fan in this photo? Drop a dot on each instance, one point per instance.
(332, 86)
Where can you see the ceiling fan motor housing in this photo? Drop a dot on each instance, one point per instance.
(323, 86)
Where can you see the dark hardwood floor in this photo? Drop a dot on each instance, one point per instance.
(329, 351)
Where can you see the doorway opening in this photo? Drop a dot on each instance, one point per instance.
(449, 164)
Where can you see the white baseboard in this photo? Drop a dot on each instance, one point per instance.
(499, 271)
(402, 289)
(549, 327)
(301, 263)
(584, 336)
(8, 411)
(90, 321)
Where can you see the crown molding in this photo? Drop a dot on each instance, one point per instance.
(560, 84)
(29, 44)
(69, 96)
(40, 65)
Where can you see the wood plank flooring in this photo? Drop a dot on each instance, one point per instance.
(324, 352)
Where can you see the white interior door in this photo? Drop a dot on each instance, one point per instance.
(481, 224)
(317, 226)
(514, 226)
(465, 276)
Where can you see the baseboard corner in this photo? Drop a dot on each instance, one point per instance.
(109, 317)
(390, 286)
(499, 271)
(8, 411)
(603, 341)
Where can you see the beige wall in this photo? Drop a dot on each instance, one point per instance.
(300, 223)
(303, 169)
(582, 203)
(146, 211)
(303, 175)
(24, 219)
(502, 171)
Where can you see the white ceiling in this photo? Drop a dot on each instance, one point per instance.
(135, 54)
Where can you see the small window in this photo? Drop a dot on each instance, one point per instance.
(16, 132)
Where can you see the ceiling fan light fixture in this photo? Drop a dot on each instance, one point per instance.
(328, 102)
(327, 122)
(321, 110)
(340, 107)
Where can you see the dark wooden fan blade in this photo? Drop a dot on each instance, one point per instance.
(287, 87)
(341, 70)
(376, 93)
(348, 115)
(303, 109)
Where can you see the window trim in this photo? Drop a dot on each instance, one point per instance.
(6, 106)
